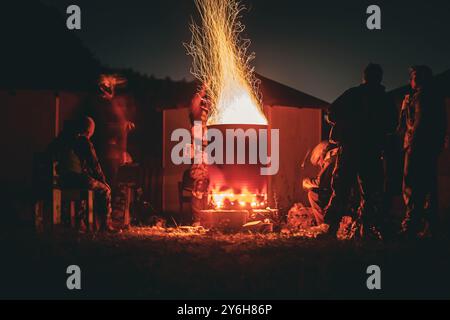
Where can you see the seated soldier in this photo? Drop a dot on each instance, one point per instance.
(78, 167)
(319, 188)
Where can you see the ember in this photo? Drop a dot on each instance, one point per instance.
(221, 62)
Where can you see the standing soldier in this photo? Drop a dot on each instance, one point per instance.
(361, 118)
(423, 122)
(199, 171)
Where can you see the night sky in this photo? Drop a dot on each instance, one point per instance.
(318, 47)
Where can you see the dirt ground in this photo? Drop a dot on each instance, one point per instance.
(154, 263)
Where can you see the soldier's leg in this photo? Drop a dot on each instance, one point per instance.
(414, 193)
(198, 204)
(344, 175)
(370, 180)
(77, 181)
(316, 206)
(102, 202)
(431, 212)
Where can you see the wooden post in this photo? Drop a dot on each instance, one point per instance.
(180, 196)
(126, 215)
(72, 214)
(90, 208)
(56, 206)
(57, 113)
(39, 216)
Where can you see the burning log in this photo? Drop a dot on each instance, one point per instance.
(260, 226)
(227, 220)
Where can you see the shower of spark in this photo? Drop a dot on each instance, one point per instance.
(221, 62)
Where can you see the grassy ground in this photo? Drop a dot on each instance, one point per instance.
(151, 263)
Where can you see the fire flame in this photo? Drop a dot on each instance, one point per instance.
(228, 199)
(221, 62)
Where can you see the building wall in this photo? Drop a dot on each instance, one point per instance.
(30, 121)
(172, 174)
(300, 131)
(29, 124)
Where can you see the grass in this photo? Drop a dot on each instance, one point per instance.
(152, 263)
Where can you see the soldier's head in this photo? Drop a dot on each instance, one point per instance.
(87, 127)
(420, 76)
(373, 74)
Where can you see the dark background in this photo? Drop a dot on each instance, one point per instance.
(318, 47)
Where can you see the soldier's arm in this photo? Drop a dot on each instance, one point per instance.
(401, 127)
(320, 182)
(417, 127)
(96, 164)
(401, 122)
(310, 184)
(326, 174)
(336, 109)
(91, 159)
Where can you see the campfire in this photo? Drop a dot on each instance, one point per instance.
(230, 200)
(221, 63)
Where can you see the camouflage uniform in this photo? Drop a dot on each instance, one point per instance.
(78, 167)
(423, 119)
(96, 179)
(319, 188)
(361, 118)
(199, 172)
